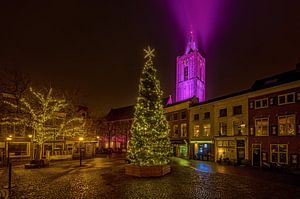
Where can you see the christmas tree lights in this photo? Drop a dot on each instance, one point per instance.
(149, 144)
(46, 115)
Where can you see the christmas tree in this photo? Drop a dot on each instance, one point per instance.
(150, 143)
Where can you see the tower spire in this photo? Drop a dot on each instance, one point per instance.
(191, 45)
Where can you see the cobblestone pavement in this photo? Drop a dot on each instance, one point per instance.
(105, 178)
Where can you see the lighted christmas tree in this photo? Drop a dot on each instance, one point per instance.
(150, 143)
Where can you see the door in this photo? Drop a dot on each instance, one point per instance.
(240, 151)
(256, 155)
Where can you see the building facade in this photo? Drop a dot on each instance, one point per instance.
(178, 117)
(274, 121)
(202, 132)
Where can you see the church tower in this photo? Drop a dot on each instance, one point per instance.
(190, 73)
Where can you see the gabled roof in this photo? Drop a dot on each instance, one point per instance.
(121, 113)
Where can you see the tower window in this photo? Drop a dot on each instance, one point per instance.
(186, 73)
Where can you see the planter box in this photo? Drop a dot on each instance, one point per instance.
(147, 171)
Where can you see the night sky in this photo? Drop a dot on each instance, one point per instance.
(97, 45)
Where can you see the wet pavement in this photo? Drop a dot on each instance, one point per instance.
(105, 178)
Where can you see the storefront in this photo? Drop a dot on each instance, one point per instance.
(231, 149)
(180, 148)
(202, 150)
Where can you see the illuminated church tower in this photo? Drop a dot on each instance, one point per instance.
(190, 73)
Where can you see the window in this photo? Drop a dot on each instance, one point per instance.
(206, 129)
(196, 130)
(175, 116)
(18, 149)
(168, 118)
(287, 125)
(286, 98)
(279, 153)
(237, 110)
(206, 115)
(183, 130)
(262, 127)
(223, 112)
(196, 117)
(223, 128)
(175, 131)
(186, 73)
(19, 131)
(237, 128)
(261, 103)
(183, 115)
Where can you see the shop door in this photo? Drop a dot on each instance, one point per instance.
(240, 150)
(256, 156)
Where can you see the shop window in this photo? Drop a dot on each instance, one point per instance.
(223, 129)
(237, 110)
(206, 129)
(286, 98)
(287, 125)
(18, 149)
(262, 127)
(196, 117)
(223, 112)
(196, 130)
(206, 115)
(183, 130)
(279, 153)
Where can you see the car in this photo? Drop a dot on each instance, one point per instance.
(37, 164)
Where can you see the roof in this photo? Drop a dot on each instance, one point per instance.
(279, 79)
(121, 113)
(193, 100)
(276, 80)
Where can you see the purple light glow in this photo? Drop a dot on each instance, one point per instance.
(200, 16)
(190, 74)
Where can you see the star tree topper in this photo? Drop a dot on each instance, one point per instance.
(149, 53)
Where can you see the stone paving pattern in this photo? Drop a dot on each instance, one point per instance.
(105, 178)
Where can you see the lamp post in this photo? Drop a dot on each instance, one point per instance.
(8, 139)
(30, 137)
(80, 154)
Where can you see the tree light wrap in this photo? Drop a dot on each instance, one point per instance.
(39, 111)
(150, 144)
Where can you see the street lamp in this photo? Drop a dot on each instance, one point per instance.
(8, 139)
(80, 154)
(30, 137)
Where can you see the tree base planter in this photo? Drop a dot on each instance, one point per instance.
(147, 171)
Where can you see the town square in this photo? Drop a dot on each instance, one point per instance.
(150, 99)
